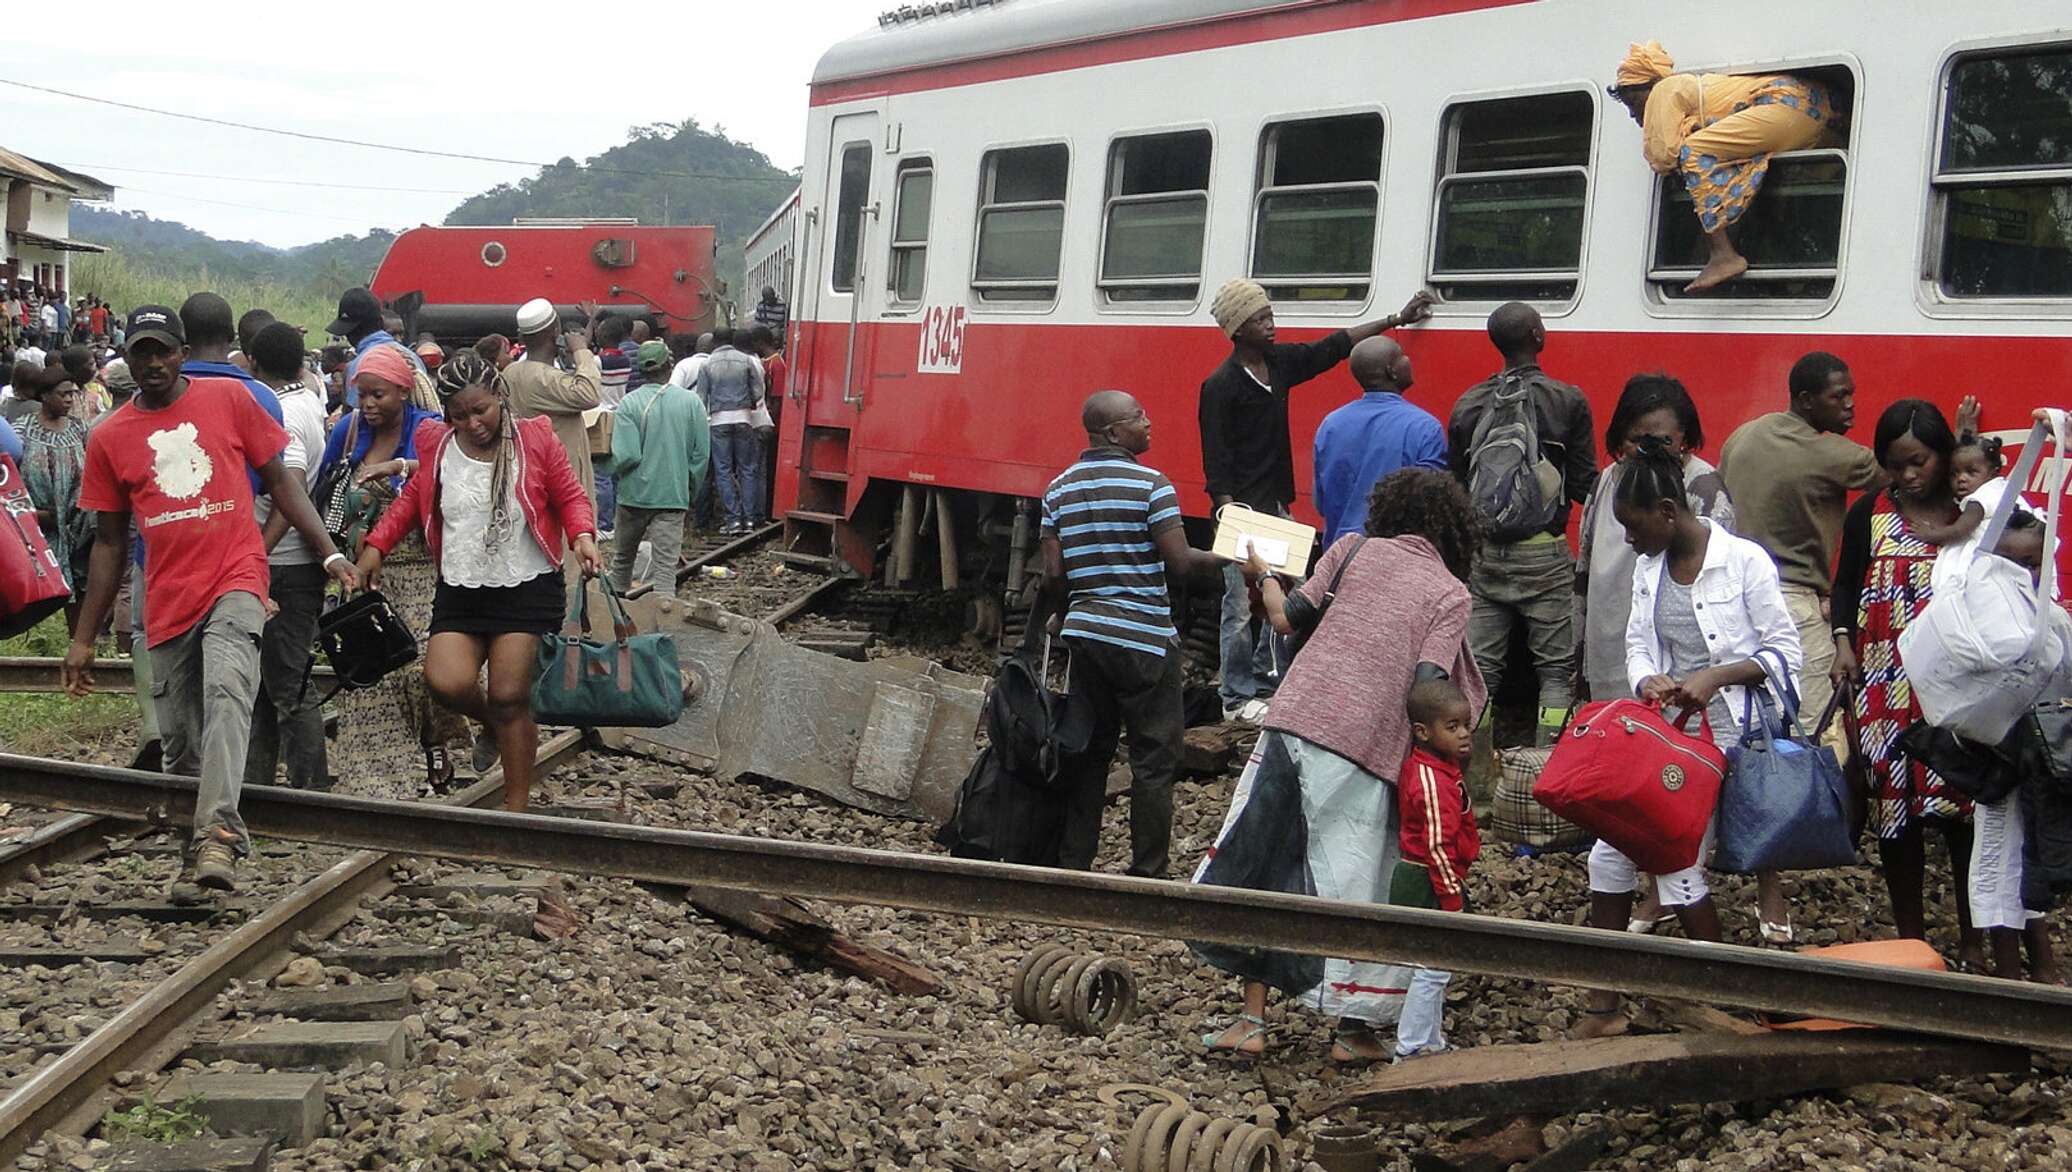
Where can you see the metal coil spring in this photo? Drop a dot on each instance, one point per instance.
(1088, 994)
(1171, 1138)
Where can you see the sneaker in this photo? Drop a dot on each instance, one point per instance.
(1403, 1056)
(1245, 712)
(215, 865)
(150, 757)
(486, 753)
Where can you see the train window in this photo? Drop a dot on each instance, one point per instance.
(1156, 210)
(1313, 218)
(1512, 190)
(2004, 176)
(855, 189)
(1021, 223)
(1791, 232)
(912, 195)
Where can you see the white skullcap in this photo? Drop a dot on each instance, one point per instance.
(537, 316)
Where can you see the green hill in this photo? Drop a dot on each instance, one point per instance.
(732, 186)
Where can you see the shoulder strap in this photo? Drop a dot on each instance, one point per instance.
(1338, 575)
(2053, 426)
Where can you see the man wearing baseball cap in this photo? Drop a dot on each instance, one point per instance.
(359, 321)
(175, 457)
(1246, 458)
(660, 444)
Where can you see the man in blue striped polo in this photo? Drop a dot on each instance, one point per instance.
(1111, 538)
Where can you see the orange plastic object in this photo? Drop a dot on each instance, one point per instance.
(1899, 954)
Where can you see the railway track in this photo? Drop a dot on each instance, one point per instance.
(1946, 1004)
(156, 1021)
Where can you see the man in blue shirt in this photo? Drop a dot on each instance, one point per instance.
(211, 332)
(359, 321)
(1372, 436)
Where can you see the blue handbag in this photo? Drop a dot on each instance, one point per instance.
(1785, 805)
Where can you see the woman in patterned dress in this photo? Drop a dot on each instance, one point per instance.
(1882, 583)
(53, 455)
(393, 740)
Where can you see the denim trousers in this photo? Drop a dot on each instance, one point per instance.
(204, 681)
(737, 469)
(1530, 583)
(1246, 645)
(607, 492)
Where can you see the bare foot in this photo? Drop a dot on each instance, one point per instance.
(1609, 1024)
(2048, 975)
(1718, 272)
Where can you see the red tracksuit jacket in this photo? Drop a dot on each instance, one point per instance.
(1436, 824)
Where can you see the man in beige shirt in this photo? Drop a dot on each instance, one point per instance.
(539, 387)
(1789, 474)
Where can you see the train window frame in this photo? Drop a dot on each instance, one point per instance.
(1931, 295)
(1285, 290)
(906, 168)
(853, 217)
(1503, 284)
(1658, 297)
(981, 287)
(1112, 178)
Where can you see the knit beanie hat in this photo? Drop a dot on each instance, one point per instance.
(1235, 304)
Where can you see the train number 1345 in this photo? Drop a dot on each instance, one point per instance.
(942, 340)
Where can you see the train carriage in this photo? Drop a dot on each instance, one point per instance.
(1005, 206)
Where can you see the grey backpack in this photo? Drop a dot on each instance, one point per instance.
(1514, 485)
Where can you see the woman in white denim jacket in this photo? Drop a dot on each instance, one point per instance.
(1706, 604)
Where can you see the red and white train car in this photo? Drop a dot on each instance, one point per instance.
(1006, 206)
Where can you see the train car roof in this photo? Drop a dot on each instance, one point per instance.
(1013, 26)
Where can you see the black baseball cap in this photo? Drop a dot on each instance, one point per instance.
(356, 308)
(156, 322)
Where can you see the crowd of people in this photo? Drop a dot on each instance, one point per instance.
(244, 484)
(1721, 590)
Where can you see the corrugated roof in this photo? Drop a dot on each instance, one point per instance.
(23, 167)
(83, 185)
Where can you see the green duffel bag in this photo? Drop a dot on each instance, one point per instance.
(634, 681)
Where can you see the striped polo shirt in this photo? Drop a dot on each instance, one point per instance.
(1105, 511)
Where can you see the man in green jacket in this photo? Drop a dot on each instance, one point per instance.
(660, 445)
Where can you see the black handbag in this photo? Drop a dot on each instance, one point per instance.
(1983, 773)
(1300, 639)
(2045, 738)
(363, 639)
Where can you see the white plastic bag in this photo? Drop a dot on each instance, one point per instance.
(1981, 652)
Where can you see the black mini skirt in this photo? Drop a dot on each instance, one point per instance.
(533, 607)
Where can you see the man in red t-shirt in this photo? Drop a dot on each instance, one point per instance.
(99, 315)
(176, 456)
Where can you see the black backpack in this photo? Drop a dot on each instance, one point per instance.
(1008, 807)
(1509, 479)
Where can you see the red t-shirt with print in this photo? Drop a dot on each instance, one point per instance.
(181, 470)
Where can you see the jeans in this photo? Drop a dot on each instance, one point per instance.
(1421, 1028)
(1532, 582)
(607, 492)
(287, 720)
(1141, 693)
(662, 529)
(737, 467)
(1246, 644)
(204, 681)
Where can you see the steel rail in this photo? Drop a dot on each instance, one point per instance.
(72, 837)
(37, 673)
(1935, 1003)
(805, 601)
(720, 553)
(54, 1091)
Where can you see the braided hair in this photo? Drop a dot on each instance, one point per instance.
(469, 369)
(1650, 474)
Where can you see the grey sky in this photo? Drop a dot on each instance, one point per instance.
(514, 80)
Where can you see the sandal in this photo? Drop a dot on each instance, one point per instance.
(1643, 926)
(1234, 1052)
(1774, 933)
(1342, 1039)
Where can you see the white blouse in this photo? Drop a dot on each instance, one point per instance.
(465, 556)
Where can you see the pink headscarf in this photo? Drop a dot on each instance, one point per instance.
(388, 364)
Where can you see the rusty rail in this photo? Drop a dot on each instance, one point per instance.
(37, 673)
(1935, 1003)
(720, 553)
(54, 1091)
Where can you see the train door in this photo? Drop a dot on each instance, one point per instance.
(842, 235)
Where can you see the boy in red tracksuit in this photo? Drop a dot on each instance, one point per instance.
(1435, 823)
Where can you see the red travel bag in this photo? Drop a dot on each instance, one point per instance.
(31, 584)
(1628, 776)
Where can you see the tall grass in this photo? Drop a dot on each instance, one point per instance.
(47, 724)
(125, 284)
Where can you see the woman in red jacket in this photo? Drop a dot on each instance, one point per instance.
(496, 500)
